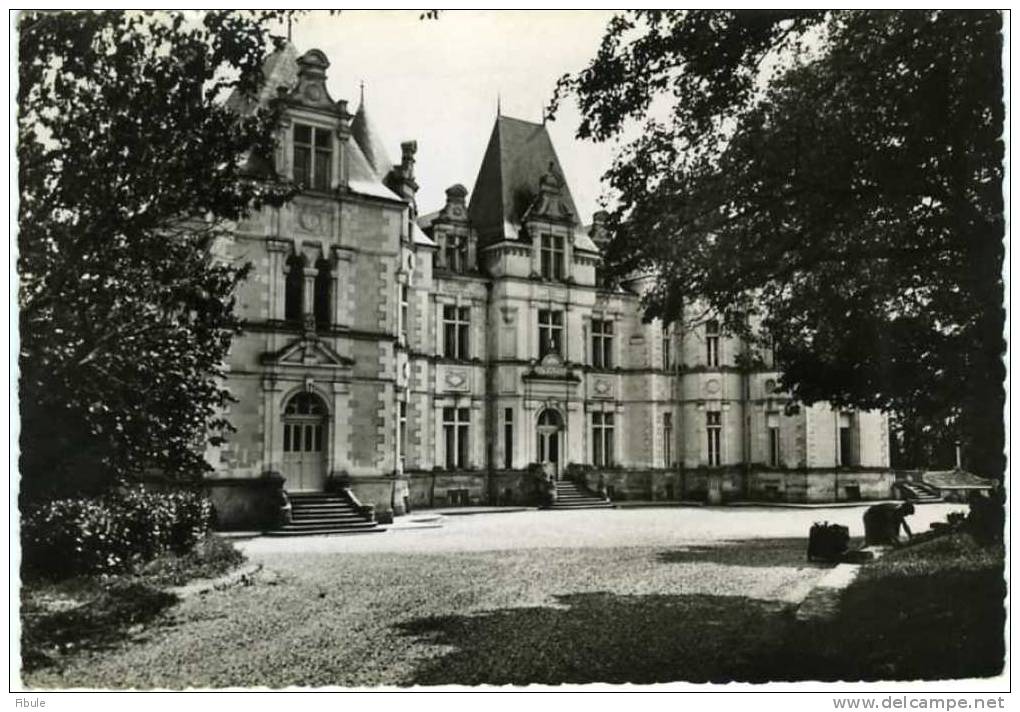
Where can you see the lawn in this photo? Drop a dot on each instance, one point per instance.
(930, 611)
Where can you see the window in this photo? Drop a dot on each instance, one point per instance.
(601, 343)
(667, 347)
(313, 157)
(845, 440)
(712, 343)
(552, 257)
(455, 253)
(713, 426)
(455, 435)
(768, 348)
(402, 432)
(508, 438)
(403, 312)
(456, 329)
(602, 439)
(293, 309)
(550, 332)
(667, 439)
(323, 284)
(772, 423)
(303, 425)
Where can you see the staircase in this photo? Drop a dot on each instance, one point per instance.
(570, 496)
(918, 491)
(315, 513)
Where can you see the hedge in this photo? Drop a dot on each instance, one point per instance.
(111, 533)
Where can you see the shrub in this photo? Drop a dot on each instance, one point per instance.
(111, 533)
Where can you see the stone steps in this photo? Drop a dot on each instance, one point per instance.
(318, 513)
(570, 496)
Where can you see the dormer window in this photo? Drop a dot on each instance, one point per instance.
(313, 157)
(552, 257)
(455, 253)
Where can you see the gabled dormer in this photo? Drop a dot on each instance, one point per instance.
(451, 231)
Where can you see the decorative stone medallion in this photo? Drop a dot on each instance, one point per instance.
(456, 380)
(712, 385)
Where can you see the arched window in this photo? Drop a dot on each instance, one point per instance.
(294, 291)
(304, 424)
(323, 288)
(305, 404)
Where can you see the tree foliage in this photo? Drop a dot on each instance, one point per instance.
(839, 174)
(129, 166)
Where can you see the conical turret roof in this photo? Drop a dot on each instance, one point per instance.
(364, 132)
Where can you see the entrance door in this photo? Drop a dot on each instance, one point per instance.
(549, 427)
(304, 440)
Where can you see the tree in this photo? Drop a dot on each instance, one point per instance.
(840, 175)
(130, 168)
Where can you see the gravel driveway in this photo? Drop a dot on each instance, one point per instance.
(601, 595)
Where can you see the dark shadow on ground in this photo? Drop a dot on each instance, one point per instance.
(906, 631)
(103, 618)
(603, 637)
(744, 552)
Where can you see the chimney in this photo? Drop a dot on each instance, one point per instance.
(959, 462)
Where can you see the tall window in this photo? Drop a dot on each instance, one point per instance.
(455, 435)
(712, 343)
(402, 432)
(313, 157)
(508, 438)
(323, 284)
(775, 455)
(602, 439)
(667, 439)
(845, 440)
(713, 427)
(667, 347)
(456, 329)
(550, 332)
(403, 312)
(552, 257)
(455, 253)
(294, 289)
(601, 343)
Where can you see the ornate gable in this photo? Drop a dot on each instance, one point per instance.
(307, 351)
(310, 90)
(550, 203)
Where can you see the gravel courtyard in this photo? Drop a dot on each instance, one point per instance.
(645, 595)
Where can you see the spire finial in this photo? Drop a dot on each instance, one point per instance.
(499, 102)
(361, 86)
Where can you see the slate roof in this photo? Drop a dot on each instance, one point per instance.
(371, 144)
(280, 70)
(518, 155)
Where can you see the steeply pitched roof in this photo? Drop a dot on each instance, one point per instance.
(362, 178)
(518, 155)
(280, 70)
(363, 131)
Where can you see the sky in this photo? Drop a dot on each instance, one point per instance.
(437, 82)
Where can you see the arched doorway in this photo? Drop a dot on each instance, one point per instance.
(305, 421)
(549, 427)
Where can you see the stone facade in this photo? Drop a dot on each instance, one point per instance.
(438, 359)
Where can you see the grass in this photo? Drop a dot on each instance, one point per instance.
(930, 611)
(63, 618)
